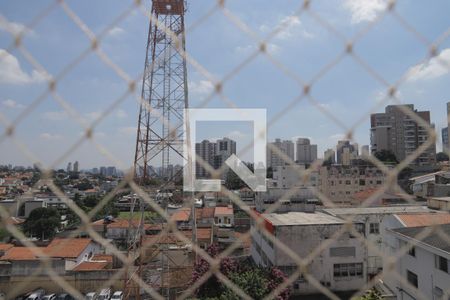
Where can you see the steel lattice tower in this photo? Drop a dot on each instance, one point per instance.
(164, 93)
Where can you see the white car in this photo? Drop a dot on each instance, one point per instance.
(91, 296)
(118, 295)
(105, 294)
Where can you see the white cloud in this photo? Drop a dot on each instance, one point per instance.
(14, 28)
(12, 73)
(9, 103)
(433, 68)
(292, 26)
(364, 10)
(55, 115)
(128, 131)
(201, 88)
(236, 134)
(121, 114)
(50, 136)
(116, 31)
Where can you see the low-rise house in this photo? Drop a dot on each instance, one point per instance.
(64, 255)
(435, 184)
(224, 216)
(425, 268)
(182, 218)
(118, 229)
(205, 216)
(339, 266)
(73, 251)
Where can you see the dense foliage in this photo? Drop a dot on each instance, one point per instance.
(386, 156)
(442, 156)
(257, 282)
(42, 222)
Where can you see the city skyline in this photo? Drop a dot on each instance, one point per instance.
(348, 92)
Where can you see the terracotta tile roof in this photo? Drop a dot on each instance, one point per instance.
(20, 253)
(181, 215)
(67, 248)
(425, 219)
(91, 266)
(221, 210)
(5, 247)
(204, 233)
(204, 213)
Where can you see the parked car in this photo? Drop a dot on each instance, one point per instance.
(65, 297)
(36, 295)
(105, 294)
(91, 296)
(118, 295)
(49, 297)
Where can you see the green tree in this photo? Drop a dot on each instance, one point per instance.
(371, 294)
(386, 156)
(442, 156)
(91, 201)
(42, 222)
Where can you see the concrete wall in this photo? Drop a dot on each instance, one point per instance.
(436, 203)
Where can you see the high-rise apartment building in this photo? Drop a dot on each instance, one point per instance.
(398, 132)
(448, 124)
(330, 156)
(286, 147)
(445, 145)
(215, 154)
(69, 167)
(75, 166)
(346, 152)
(306, 153)
(206, 150)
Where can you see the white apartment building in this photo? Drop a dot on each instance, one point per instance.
(425, 267)
(374, 219)
(339, 266)
(340, 183)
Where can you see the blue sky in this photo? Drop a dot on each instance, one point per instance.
(347, 91)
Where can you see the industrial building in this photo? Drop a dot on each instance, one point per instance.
(339, 265)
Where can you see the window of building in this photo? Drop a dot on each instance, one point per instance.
(348, 182)
(347, 270)
(362, 182)
(441, 263)
(379, 182)
(412, 278)
(412, 251)
(374, 228)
